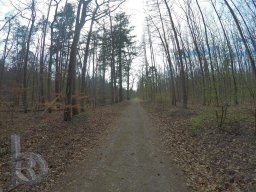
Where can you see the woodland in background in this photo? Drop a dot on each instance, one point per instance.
(191, 51)
(208, 50)
(202, 98)
(75, 55)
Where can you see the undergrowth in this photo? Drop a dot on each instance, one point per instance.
(207, 118)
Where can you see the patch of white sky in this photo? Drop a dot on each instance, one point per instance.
(4, 8)
(135, 9)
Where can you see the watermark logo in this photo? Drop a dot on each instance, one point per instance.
(27, 168)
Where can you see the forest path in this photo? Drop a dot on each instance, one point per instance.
(129, 160)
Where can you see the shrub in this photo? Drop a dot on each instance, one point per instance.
(200, 120)
(163, 98)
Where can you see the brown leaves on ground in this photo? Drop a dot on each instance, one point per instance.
(212, 160)
(60, 143)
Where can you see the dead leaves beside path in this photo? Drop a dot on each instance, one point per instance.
(60, 143)
(212, 160)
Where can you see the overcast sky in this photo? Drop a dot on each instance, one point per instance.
(134, 8)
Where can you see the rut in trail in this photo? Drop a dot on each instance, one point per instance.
(129, 160)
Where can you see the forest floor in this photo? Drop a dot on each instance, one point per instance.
(212, 159)
(124, 148)
(112, 148)
(61, 144)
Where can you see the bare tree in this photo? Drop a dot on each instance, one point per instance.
(82, 11)
(182, 71)
(32, 20)
(248, 51)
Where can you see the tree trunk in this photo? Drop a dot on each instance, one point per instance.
(182, 71)
(243, 38)
(112, 64)
(5, 54)
(120, 72)
(86, 55)
(71, 102)
(199, 57)
(230, 54)
(25, 87)
(49, 75)
(210, 56)
(41, 72)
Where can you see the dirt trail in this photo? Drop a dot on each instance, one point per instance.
(129, 160)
